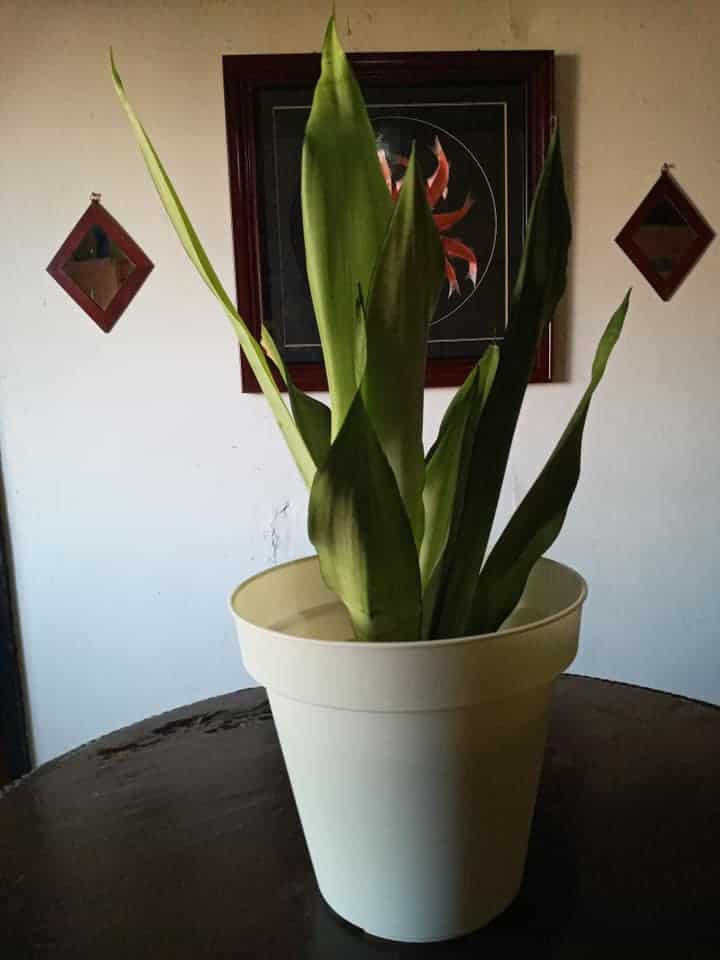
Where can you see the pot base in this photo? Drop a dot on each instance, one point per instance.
(414, 766)
(442, 938)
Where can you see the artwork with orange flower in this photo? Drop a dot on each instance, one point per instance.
(473, 142)
(461, 151)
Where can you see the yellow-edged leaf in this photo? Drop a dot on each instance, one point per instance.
(194, 249)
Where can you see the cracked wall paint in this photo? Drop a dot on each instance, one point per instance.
(276, 533)
(284, 536)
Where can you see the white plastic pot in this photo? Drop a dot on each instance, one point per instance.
(414, 765)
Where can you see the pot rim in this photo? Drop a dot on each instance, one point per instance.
(532, 626)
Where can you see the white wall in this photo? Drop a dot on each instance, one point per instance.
(142, 484)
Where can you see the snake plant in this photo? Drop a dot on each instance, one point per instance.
(402, 536)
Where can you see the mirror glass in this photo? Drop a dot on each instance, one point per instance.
(98, 266)
(664, 237)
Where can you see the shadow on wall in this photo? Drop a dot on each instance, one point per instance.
(566, 80)
(14, 748)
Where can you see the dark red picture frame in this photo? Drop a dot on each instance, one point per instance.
(246, 76)
(96, 214)
(666, 189)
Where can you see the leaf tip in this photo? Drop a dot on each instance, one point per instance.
(331, 41)
(114, 73)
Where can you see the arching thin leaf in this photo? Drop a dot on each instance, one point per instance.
(539, 287)
(533, 527)
(194, 249)
(312, 416)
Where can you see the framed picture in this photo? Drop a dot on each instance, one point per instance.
(488, 114)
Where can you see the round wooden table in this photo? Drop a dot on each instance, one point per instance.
(178, 838)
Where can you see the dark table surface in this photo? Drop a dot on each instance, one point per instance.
(178, 837)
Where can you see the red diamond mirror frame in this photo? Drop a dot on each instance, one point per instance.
(666, 236)
(100, 266)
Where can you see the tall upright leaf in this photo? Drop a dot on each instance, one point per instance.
(346, 208)
(446, 474)
(358, 524)
(538, 289)
(194, 249)
(403, 295)
(536, 523)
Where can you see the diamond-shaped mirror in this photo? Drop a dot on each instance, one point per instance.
(100, 266)
(666, 236)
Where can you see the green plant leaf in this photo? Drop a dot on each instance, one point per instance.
(446, 474)
(346, 208)
(404, 291)
(358, 524)
(458, 399)
(539, 287)
(537, 521)
(194, 249)
(312, 416)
